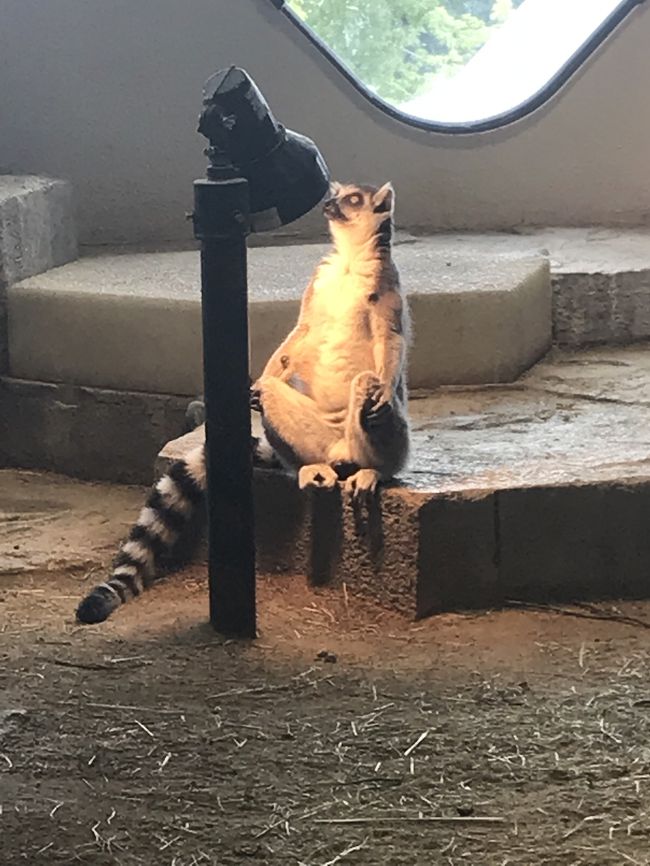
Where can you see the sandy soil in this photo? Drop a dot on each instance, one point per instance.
(342, 735)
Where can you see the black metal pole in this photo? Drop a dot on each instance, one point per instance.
(221, 223)
(287, 178)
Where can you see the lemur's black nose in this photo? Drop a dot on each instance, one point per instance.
(332, 210)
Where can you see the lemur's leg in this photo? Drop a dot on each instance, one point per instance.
(263, 454)
(298, 432)
(376, 437)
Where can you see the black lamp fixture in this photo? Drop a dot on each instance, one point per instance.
(260, 176)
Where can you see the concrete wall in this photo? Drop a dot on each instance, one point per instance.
(106, 93)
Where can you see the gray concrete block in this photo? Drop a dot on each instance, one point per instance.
(423, 552)
(85, 432)
(37, 229)
(536, 491)
(601, 277)
(282, 524)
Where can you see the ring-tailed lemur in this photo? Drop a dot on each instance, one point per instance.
(332, 397)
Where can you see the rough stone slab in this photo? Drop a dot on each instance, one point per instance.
(405, 552)
(596, 308)
(132, 321)
(322, 537)
(37, 229)
(535, 491)
(85, 432)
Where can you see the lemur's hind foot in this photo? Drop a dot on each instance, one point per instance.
(362, 486)
(317, 476)
(194, 414)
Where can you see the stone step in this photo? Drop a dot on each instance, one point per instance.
(536, 491)
(131, 321)
(600, 276)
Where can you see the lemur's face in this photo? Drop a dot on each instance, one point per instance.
(350, 205)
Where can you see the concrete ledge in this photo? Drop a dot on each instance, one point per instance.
(132, 321)
(106, 342)
(489, 331)
(539, 491)
(421, 552)
(85, 432)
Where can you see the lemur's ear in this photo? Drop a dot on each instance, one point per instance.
(384, 199)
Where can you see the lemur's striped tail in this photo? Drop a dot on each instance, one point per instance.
(164, 523)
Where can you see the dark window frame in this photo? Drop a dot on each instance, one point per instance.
(536, 100)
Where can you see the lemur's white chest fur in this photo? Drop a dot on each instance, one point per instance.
(340, 339)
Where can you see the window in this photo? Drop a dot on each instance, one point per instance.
(459, 65)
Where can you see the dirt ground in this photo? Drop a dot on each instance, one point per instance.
(516, 737)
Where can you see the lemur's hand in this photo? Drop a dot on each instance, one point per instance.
(377, 406)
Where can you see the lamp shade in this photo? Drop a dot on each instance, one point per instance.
(286, 173)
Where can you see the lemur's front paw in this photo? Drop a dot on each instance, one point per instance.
(317, 476)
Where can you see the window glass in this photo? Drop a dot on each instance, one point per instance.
(454, 61)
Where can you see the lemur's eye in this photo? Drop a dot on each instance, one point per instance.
(353, 199)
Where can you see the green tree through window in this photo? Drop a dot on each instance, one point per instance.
(396, 47)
